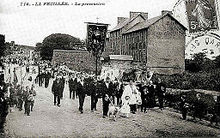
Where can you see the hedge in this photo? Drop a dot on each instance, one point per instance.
(201, 80)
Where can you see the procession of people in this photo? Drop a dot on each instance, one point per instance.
(128, 97)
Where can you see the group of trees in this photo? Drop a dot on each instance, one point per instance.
(201, 73)
(58, 41)
(200, 62)
(2, 45)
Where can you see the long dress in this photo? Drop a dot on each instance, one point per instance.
(129, 97)
(125, 109)
(132, 92)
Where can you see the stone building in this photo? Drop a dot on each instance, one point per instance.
(157, 43)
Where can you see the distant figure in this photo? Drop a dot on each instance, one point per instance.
(47, 78)
(216, 111)
(32, 95)
(19, 95)
(199, 107)
(184, 106)
(27, 102)
(27, 69)
(144, 97)
(151, 101)
(160, 91)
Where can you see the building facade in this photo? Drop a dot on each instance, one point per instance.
(157, 43)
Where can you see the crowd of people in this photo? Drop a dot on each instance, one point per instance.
(3, 103)
(22, 97)
(128, 96)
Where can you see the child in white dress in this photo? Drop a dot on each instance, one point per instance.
(125, 109)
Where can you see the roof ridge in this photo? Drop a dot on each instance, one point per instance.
(149, 22)
(128, 20)
(134, 26)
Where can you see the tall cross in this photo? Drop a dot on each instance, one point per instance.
(97, 18)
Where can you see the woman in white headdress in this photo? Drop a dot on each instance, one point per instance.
(129, 97)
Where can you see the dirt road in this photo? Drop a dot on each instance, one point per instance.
(48, 120)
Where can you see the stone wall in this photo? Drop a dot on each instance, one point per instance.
(179, 91)
(75, 60)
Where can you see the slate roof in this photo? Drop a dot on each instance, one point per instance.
(148, 23)
(122, 24)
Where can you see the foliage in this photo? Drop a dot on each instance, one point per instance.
(2, 45)
(217, 62)
(201, 80)
(57, 41)
(200, 62)
(174, 99)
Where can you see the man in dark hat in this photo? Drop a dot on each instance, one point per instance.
(199, 107)
(94, 94)
(81, 93)
(151, 94)
(72, 86)
(183, 106)
(216, 111)
(107, 88)
(57, 89)
(160, 89)
(47, 78)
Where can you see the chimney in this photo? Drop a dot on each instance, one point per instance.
(132, 14)
(163, 12)
(145, 15)
(121, 19)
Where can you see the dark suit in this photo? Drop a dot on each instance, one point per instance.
(183, 108)
(160, 89)
(40, 79)
(106, 94)
(47, 79)
(72, 87)
(215, 113)
(81, 93)
(94, 95)
(199, 109)
(151, 102)
(57, 89)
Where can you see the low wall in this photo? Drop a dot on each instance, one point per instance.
(179, 91)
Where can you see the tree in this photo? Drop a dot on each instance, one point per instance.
(199, 62)
(2, 45)
(217, 61)
(39, 46)
(57, 41)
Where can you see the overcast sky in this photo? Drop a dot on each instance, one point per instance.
(31, 24)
